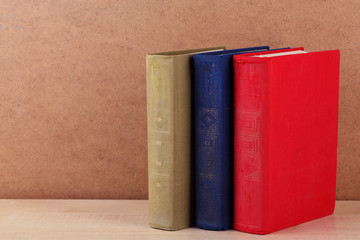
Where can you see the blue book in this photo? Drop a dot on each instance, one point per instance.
(213, 123)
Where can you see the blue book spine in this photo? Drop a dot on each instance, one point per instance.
(213, 126)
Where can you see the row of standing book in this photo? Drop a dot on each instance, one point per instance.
(249, 135)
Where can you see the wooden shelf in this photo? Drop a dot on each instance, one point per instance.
(127, 219)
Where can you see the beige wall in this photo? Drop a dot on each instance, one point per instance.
(72, 83)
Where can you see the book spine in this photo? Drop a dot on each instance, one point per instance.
(163, 181)
(211, 146)
(250, 143)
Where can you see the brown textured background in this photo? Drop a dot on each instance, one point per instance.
(72, 83)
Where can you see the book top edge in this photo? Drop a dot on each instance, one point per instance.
(235, 51)
(252, 57)
(190, 51)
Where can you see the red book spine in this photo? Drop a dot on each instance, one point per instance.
(250, 139)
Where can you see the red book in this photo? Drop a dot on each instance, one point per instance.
(286, 123)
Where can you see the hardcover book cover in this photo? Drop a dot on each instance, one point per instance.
(286, 119)
(213, 119)
(168, 80)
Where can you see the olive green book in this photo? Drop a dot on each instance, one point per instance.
(168, 83)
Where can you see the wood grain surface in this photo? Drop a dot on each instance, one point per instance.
(127, 219)
(73, 93)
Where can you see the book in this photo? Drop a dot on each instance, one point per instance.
(285, 136)
(213, 120)
(168, 80)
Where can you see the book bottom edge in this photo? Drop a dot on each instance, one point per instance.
(254, 230)
(212, 227)
(247, 229)
(167, 228)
